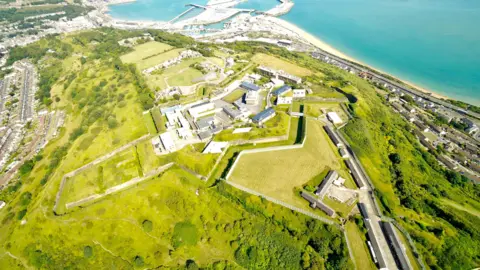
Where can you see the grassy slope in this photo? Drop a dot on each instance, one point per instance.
(277, 126)
(410, 189)
(411, 192)
(361, 255)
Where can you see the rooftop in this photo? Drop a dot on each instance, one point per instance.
(250, 86)
(263, 114)
(282, 90)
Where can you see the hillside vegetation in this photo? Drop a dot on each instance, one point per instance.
(172, 220)
(410, 184)
(164, 223)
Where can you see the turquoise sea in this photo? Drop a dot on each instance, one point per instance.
(432, 43)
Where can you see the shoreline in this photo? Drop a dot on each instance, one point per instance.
(317, 42)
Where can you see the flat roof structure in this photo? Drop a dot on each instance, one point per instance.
(356, 175)
(375, 246)
(204, 135)
(170, 109)
(363, 210)
(249, 86)
(343, 153)
(239, 104)
(232, 113)
(241, 130)
(288, 77)
(204, 123)
(334, 118)
(327, 181)
(299, 93)
(251, 97)
(421, 126)
(333, 136)
(264, 115)
(282, 90)
(396, 246)
(200, 108)
(167, 141)
(284, 100)
(316, 203)
(215, 147)
(267, 71)
(285, 42)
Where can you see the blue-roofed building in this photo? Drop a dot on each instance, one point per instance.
(282, 90)
(249, 86)
(264, 116)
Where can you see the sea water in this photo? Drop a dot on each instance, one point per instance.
(432, 43)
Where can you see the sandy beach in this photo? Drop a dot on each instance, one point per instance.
(326, 47)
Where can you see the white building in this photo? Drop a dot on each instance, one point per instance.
(284, 100)
(299, 93)
(168, 142)
(230, 62)
(215, 147)
(2, 204)
(184, 133)
(277, 82)
(284, 42)
(251, 98)
(255, 76)
(196, 110)
(334, 118)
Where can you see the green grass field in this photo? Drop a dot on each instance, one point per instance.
(265, 172)
(95, 180)
(236, 94)
(315, 109)
(145, 51)
(359, 248)
(326, 92)
(158, 119)
(276, 126)
(277, 63)
(147, 117)
(343, 208)
(177, 75)
(190, 157)
(185, 77)
(467, 208)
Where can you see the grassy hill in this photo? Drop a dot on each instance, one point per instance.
(172, 220)
(164, 223)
